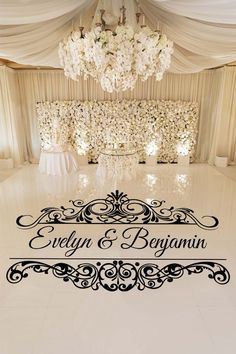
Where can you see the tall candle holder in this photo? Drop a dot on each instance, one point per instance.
(138, 14)
(81, 28)
(102, 12)
(122, 19)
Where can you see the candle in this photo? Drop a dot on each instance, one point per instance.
(143, 20)
(121, 17)
(97, 18)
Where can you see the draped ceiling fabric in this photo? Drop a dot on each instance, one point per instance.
(203, 31)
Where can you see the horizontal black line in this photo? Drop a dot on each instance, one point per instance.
(115, 223)
(115, 258)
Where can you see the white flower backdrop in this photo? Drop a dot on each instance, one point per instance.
(88, 126)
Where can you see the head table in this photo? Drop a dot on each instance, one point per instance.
(118, 163)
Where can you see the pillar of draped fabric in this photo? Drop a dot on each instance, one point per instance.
(12, 132)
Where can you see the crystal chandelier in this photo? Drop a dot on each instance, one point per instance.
(116, 59)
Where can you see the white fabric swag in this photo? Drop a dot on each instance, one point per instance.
(21, 90)
(203, 31)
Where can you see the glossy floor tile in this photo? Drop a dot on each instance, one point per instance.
(148, 306)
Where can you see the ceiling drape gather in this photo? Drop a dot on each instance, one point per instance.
(203, 32)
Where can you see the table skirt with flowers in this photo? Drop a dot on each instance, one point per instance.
(117, 165)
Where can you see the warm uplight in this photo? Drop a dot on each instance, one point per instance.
(183, 149)
(151, 149)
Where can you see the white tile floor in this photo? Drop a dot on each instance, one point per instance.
(6, 173)
(229, 171)
(43, 314)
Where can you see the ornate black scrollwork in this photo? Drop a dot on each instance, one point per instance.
(117, 208)
(119, 275)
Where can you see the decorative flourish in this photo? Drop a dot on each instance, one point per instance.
(118, 274)
(117, 208)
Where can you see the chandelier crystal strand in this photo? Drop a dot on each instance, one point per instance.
(116, 59)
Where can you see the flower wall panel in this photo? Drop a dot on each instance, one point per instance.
(90, 125)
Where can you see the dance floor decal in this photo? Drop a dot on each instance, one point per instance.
(118, 274)
(117, 208)
(114, 274)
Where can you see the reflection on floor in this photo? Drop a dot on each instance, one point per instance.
(44, 314)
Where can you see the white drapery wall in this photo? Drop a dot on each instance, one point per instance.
(214, 90)
(12, 136)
